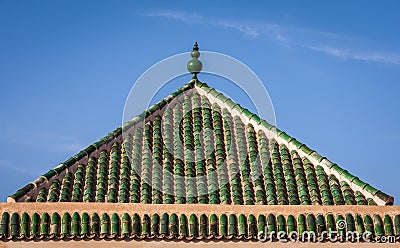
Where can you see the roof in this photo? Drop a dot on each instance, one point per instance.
(196, 146)
(194, 222)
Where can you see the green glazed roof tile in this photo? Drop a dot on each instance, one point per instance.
(306, 149)
(200, 226)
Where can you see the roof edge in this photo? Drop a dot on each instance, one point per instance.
(137, 221)
(143, 208)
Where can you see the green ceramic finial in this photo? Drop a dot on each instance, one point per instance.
(194, 65)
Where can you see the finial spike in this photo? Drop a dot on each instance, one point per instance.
(195, 46)
(194, 65)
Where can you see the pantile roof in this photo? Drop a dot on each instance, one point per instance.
(197, 146)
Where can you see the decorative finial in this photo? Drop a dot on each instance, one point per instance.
(194, 65)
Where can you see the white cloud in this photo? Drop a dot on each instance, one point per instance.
(361, 56)
(245, 29)
(181, 16)
(288, 36)
(45, 140)
(341, 53)
(9, 165)
(195, 18)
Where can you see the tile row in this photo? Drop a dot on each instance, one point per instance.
(193, 226)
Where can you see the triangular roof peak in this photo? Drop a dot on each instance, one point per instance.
(248, 161)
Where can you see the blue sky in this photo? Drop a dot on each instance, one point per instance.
(332, 70)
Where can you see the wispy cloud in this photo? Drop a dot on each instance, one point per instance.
(245, 29)
(196, 18)
(177, 15)
(42, 140)
(362, 56)
(10, 166)
(341, 53)
(288, 36)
